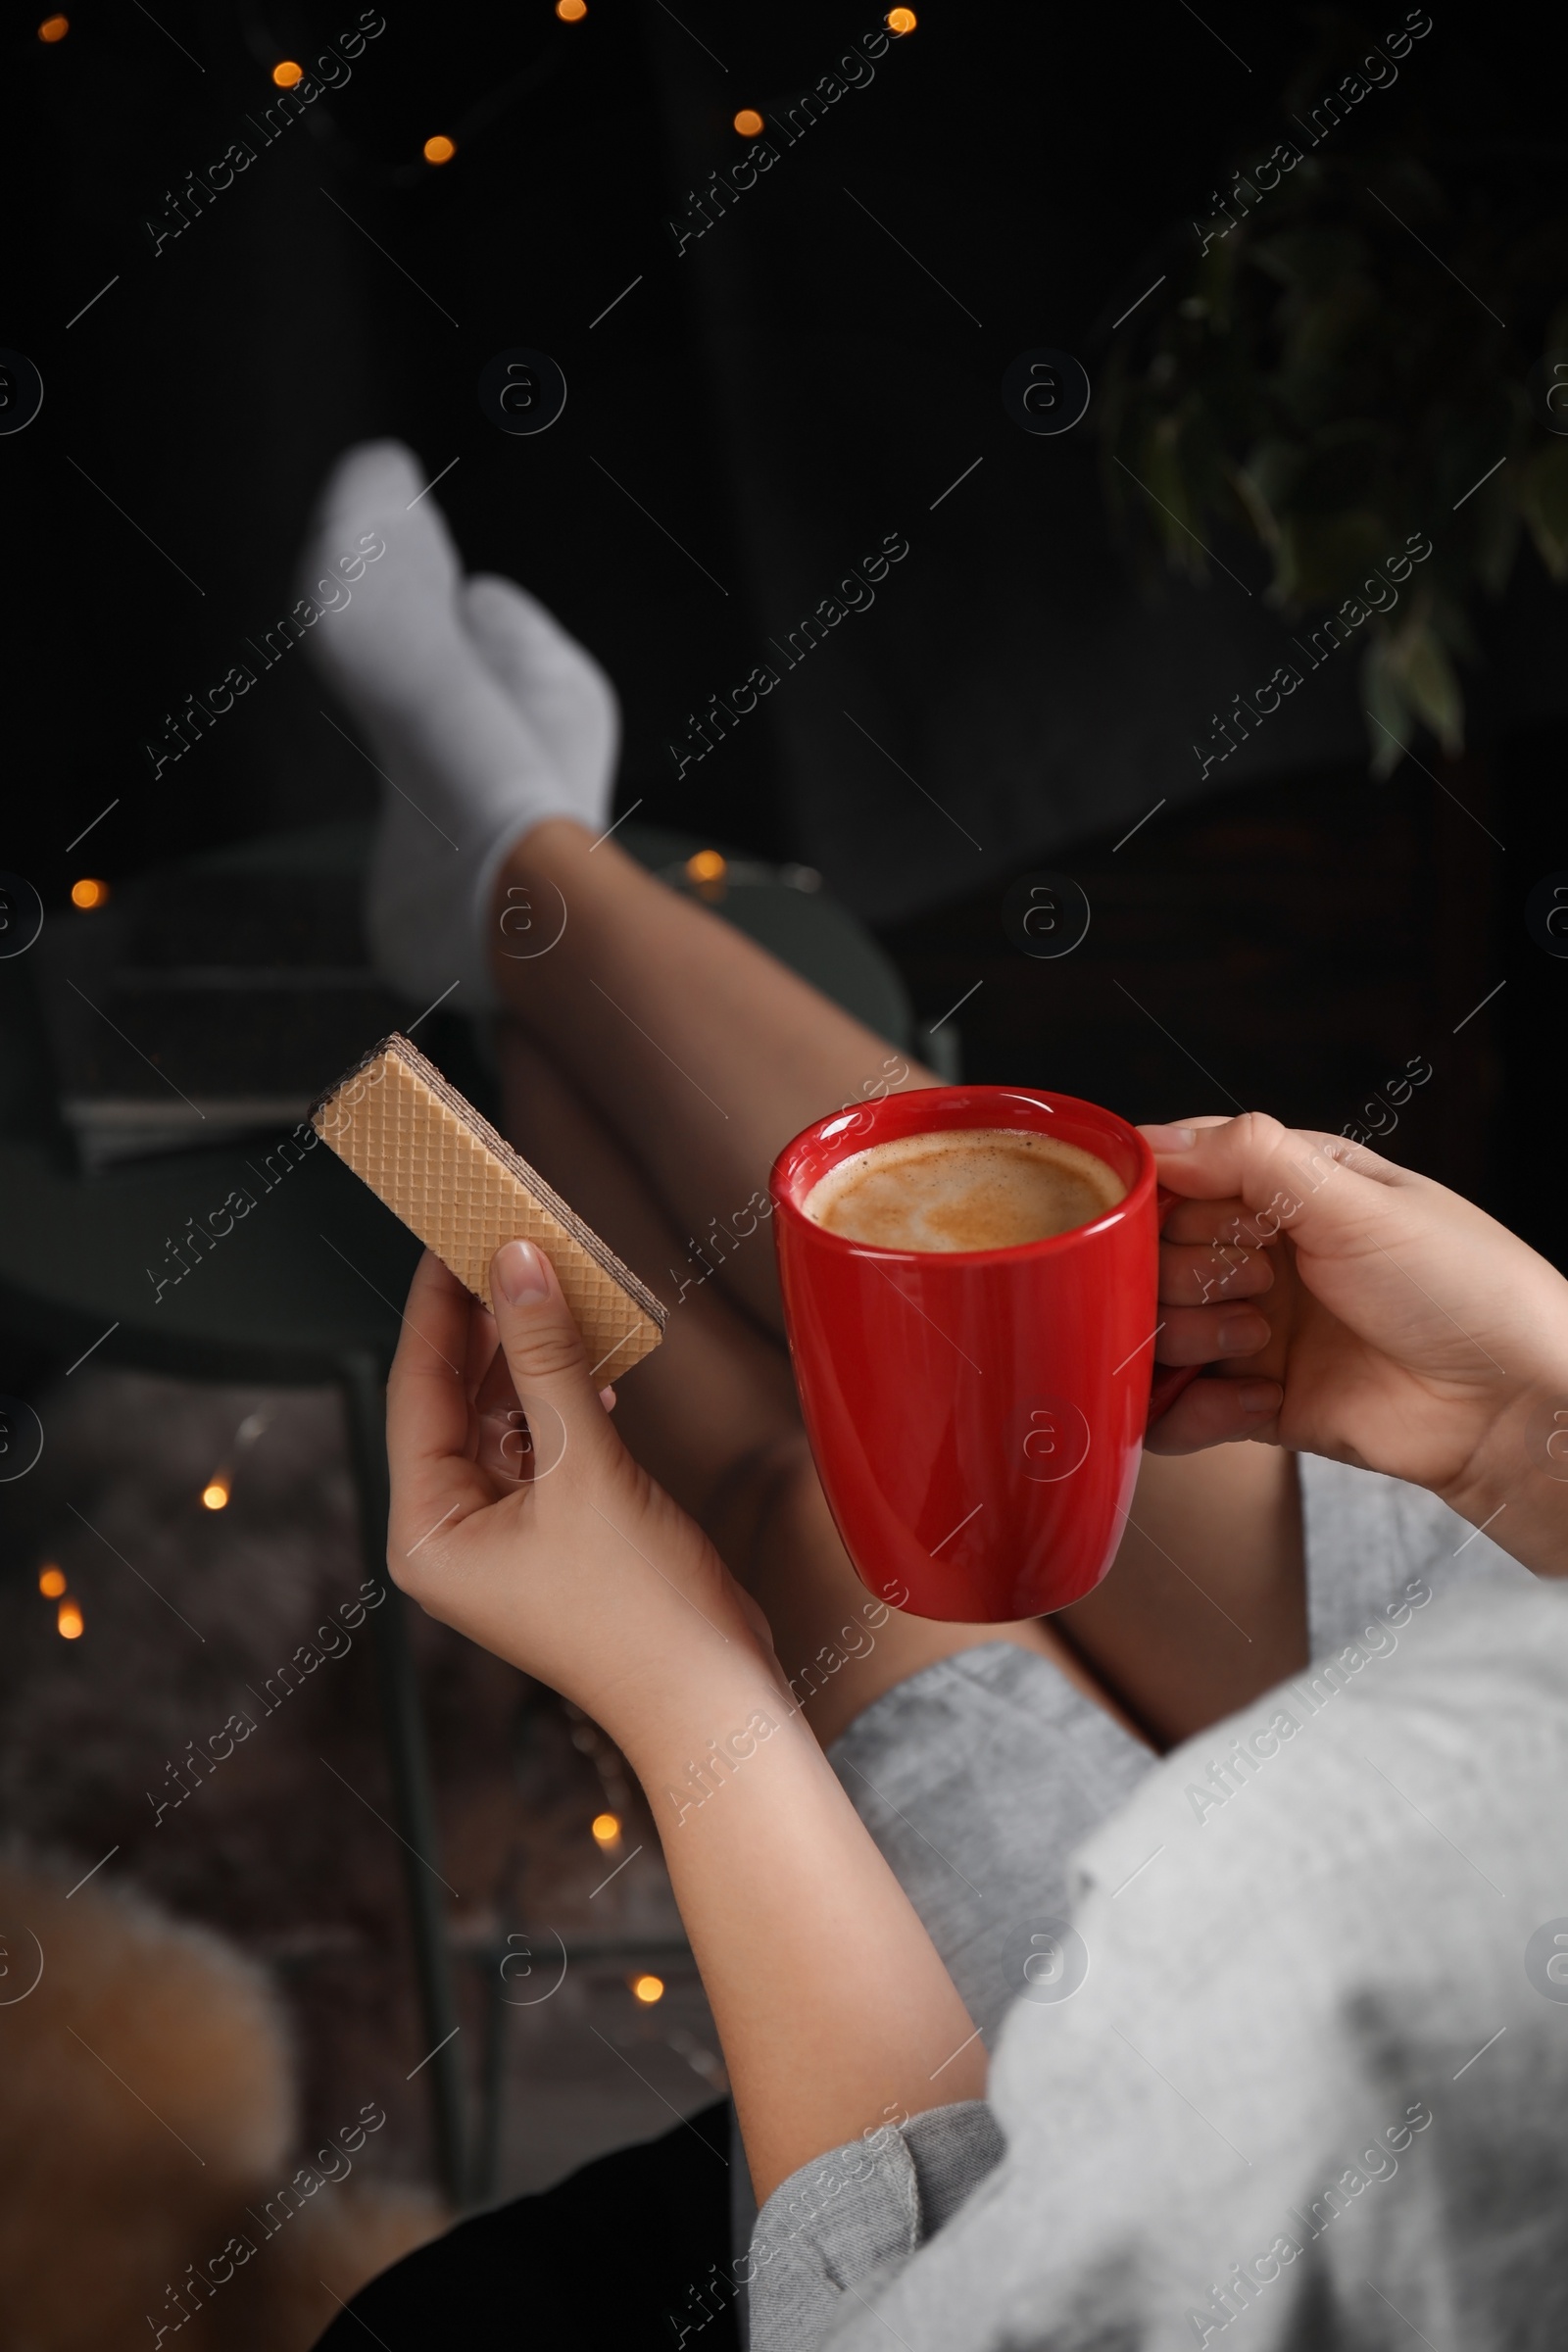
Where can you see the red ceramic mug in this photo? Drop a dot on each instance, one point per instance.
(977, 1416)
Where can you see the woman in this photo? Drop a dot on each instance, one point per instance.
(863, 1921)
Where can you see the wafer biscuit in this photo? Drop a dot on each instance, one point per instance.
(461, 1188)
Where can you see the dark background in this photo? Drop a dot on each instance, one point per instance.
(743, 424)
(792, 387)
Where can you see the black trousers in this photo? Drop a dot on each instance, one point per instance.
(624, 2255)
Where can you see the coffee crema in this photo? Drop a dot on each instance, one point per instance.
(964, 1188)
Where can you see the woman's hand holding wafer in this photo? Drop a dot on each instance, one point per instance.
(520, 1517)
(569, 1562)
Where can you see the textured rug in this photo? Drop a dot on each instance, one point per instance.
(164, 1749)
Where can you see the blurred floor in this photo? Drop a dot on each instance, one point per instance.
(187, 1615)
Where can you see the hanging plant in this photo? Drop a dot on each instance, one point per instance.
(1352, 351)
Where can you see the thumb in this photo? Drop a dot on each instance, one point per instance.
(1325, 1191)
(545, 1354)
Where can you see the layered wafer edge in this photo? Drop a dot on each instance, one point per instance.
(402, 1049)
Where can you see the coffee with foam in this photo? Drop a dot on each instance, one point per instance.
(964, 1188)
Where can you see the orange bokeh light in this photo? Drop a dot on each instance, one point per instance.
(749, 122)
(215, 1494)
(288, 74)
(51, 1582)
(70, 1622)
(706, 866)
(572, 12)
(902, 20)
(54, 29)
(648, 1989)
(88, 892)
(607, 1827)
(439, 150)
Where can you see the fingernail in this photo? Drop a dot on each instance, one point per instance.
(1258, 1395)
(1169, 1138)
(520, 1272)
(1242, 1335)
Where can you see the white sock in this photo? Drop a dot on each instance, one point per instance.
(483, 715)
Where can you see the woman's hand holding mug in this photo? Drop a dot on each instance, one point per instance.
(1406, 1331)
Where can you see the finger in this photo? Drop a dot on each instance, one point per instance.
(503, 1441)
(1206, 1335)
(504, 1448)
(1192, 1275)
(1218, 1413)
(544, 1348)
(1217, 1223)
(426, 1404)
(484, 1345)
(426, 1407)
(494, 1393)
(503, 1444)
(1325, 1191)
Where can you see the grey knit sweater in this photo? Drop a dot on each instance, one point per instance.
(1285, 2058)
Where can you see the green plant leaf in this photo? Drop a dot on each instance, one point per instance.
(1254, 505)
(1541, 493)
(1330, 555)
(1345, 470)
(1425, 678)
(1496, 538)
(1313, 377)
(1314, 260)
(1391, 721)
(1165, 476)
(1450, 623)
(1272, 466)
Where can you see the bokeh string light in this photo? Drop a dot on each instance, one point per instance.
(68, 1619)
(216, 1494)
(708, 873)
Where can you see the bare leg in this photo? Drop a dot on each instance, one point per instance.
(705, 1055)
(1205, 1606)
(716, 1391)
(712, 1414)
(701, 1052)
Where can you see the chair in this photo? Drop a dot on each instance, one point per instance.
(305, 1289)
